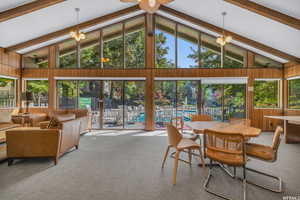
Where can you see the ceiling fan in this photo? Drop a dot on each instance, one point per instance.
(149, 6)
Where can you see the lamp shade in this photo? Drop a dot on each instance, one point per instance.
(27, 96)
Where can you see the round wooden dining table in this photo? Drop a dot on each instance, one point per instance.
(200, 126)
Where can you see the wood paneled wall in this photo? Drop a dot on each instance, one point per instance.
(9, 63)
(10, 66)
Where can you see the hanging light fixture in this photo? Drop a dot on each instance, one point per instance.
(77, 34)
(224, 39)
(150, 6)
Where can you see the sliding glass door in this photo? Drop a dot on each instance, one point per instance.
(134, 104)
(113, 104)
(184, 98)
(124, 104)
(213, 100)
(224, 101)
(234, 101)
(165, 102)
(89, 98)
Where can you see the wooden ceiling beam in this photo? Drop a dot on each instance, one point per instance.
(27, 8)
(267, 12)
(67, 30)
(235, 36)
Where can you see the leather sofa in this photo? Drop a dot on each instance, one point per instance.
(28, 142)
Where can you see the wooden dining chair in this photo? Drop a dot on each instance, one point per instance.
(224, 148)
(267, 154)
(246, 122)
(201, 117)
(180, 144)
(178, 122)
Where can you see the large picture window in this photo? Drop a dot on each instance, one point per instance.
(210, 55)
(294, 94)
(39, 90)
(7, 93)
(90, 51)
(67, 54)
(235, 57)
(113, 44)
(36, 59)
(135, 43)
(187, 47)
(165, 40)
(266, 93)
(264, 62)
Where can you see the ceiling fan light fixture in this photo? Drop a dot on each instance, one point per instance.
(223, 39)
(77, 34)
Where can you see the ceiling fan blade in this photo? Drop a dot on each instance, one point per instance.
(165, 1)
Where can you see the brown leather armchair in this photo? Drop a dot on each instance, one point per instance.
(35, 142)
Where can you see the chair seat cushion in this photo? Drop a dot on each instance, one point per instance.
(187, 144)
(260, 151)
(225, 158)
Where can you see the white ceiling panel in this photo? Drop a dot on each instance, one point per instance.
(9, 4)
(288, 7)
(54, 18)
(238, 20)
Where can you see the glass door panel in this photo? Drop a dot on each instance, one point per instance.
(89, 96)
(113, 104)
(212, 96)
(234, 101)
(165, 102)
(187, 96)
(134, 95)
(67, 94)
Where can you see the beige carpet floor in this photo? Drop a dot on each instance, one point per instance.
(126, 165)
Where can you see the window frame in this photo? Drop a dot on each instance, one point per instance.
(279, 94)
(288, 92)
(23, 55)
(36, 79)
(15, 80)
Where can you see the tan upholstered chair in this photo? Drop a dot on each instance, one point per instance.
(200, 117)
(180, 144)
(268, 154)
(224, 148)
(246, 122)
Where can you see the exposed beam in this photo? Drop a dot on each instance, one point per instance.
(267, 12)
(65, 31)
(235, 36)
(27, 8)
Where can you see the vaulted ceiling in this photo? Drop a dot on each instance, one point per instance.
(241, 21)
